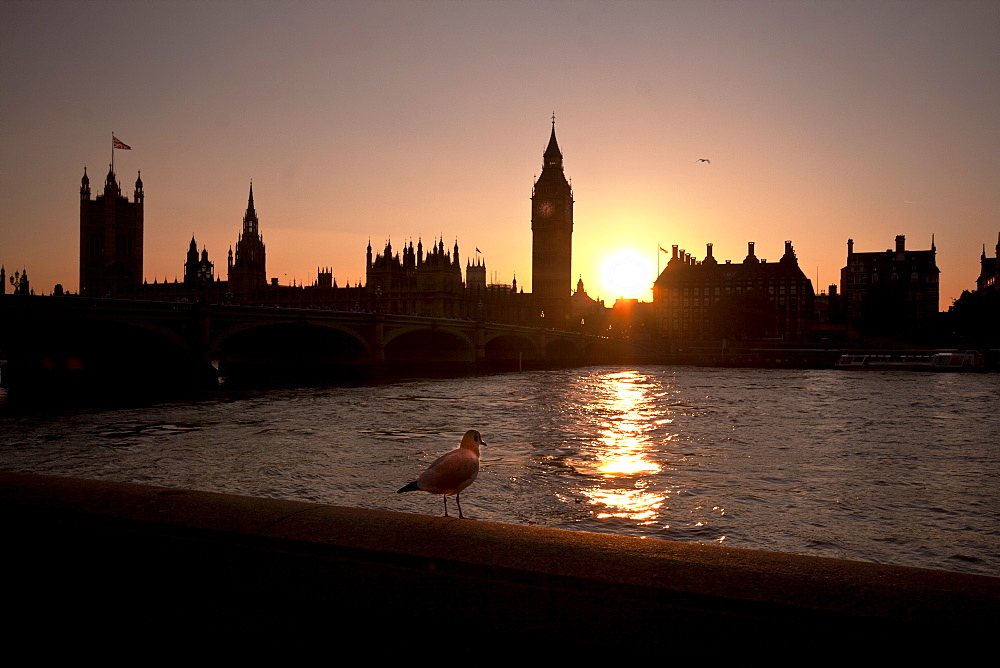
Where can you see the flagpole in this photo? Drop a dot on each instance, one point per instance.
(112, 151)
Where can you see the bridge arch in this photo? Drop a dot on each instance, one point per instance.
(510, 347)
(288, 349)
(563, 350)
(426, 345)
(103, 353)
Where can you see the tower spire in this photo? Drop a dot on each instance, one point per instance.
(552, 237)
(250, 221)
(552, 156)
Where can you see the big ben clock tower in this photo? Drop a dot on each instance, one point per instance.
(552, 238)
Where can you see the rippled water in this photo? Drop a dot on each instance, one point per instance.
(891, 467)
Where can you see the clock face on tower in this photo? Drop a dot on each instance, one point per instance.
(546, 208)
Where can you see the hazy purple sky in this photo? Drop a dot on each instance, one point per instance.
(822, 121)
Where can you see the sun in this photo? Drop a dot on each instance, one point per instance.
(627, 273)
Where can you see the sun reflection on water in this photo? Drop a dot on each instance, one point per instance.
(622, 461)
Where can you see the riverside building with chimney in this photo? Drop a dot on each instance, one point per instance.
(889, 292)
(755, 299)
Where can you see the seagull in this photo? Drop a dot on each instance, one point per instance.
(704, 160)
(451, 473)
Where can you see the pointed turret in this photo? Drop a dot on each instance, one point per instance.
(138, 189)
(111, 184)
(191, 265)
(248, 269)
(552, 156)
(85, 185)
(250, 221)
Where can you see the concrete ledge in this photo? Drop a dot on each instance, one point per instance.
(90, 555)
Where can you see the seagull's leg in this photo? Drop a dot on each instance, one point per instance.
(445, 499)
(458, 500)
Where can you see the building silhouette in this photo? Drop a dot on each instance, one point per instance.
(974, 318)
(890, 292)
(552, 238)
(110, 239)
(410, 280)
(989, 271)
(588, 314)
(247, 271)
(709, 301)
(199, 271)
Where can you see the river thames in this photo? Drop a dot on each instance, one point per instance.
(892, 467)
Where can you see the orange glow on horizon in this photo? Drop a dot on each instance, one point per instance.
(365, 125)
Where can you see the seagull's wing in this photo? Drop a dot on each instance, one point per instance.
(450, 473)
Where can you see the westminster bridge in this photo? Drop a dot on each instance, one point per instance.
(44, 339)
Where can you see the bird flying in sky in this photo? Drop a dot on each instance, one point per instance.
(704, 160)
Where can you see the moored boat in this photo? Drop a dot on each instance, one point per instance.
(944, 361)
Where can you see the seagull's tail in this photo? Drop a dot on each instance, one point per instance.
(412, 487)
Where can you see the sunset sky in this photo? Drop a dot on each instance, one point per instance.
(406, 120)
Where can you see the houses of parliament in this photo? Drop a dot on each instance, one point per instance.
(411, 280)
(692, 300)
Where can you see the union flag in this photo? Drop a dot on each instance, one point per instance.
(119, 144)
